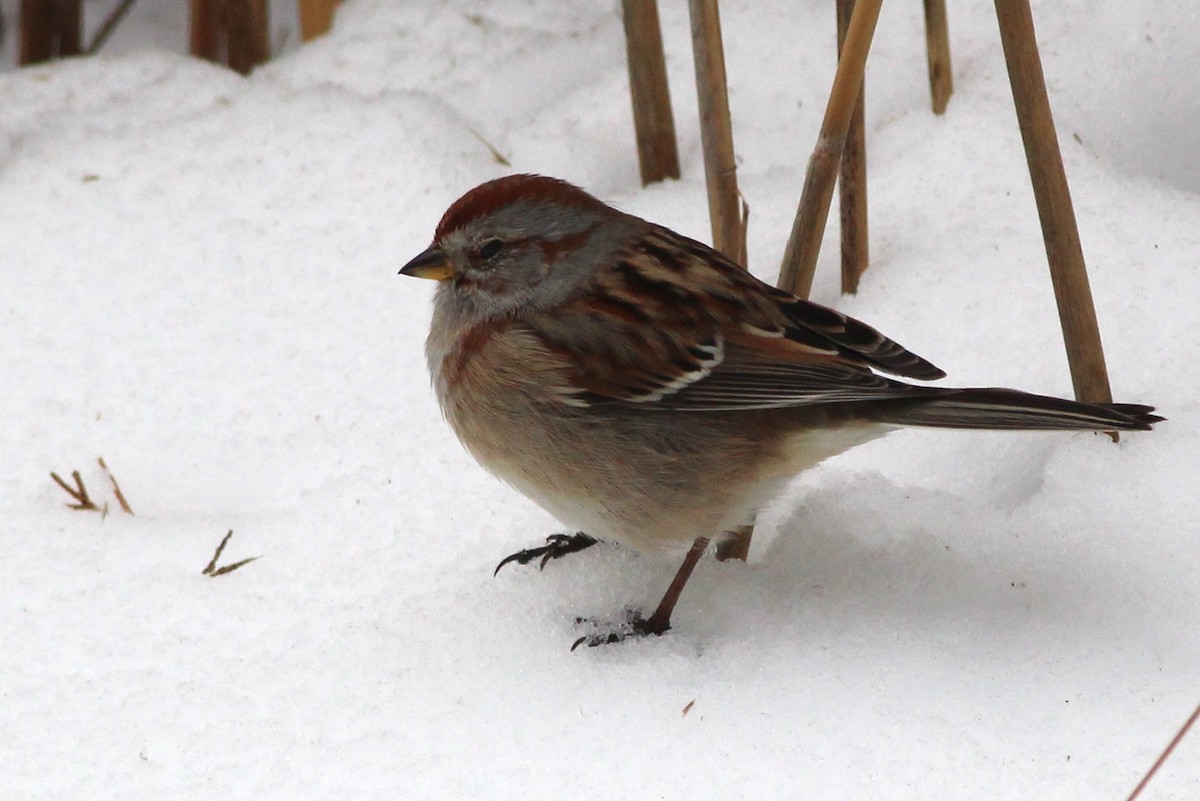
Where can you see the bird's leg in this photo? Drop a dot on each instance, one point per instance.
(660, 621)
(637, 626)
(557, 545)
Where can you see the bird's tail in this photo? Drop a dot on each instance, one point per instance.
(1010, 409)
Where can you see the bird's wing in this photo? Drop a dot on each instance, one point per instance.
(674, 325)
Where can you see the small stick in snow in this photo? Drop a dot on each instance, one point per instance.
(1163, 756)
(82, 501)
(497, 156)
(125, 507)
(213, 571)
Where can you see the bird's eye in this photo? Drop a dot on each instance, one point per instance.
(490, 249)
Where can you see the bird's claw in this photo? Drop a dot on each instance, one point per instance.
(632, 625)
(557, 545)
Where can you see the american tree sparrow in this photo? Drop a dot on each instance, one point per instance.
(641, 386)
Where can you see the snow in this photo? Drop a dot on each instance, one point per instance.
(198, 284)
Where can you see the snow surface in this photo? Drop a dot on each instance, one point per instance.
(197, 282)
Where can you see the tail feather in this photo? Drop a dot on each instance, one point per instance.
(1010, 409)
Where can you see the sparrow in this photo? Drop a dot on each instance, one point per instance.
(643, 388)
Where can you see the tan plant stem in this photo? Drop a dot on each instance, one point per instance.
(937, 49)
(852, 184)
(1068, 274)
(653, 121)
(804, 244)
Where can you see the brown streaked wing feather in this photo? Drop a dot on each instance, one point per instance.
(754, 377)
(801, 321)
(632, 352)
(668, 327)
(852, 336)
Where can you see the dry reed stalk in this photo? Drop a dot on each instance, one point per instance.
(249, 35)
(804, 244)
(653, 121)
(716, 128)
(720, 172)
(937, 48)
(49, 29)
(231, 32)
(316, 17)
(1068, 273)
(203, 29)
(852, 183)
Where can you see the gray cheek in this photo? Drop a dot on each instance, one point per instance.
(494, 280)
(487, 300)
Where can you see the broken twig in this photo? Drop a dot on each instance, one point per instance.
(125, 507)
(497, 156)
(212, 570)
(83, 502)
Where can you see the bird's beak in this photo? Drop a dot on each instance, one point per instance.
(431, 263)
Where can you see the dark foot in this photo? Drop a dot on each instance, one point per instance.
(633, 625)
(557, 545)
